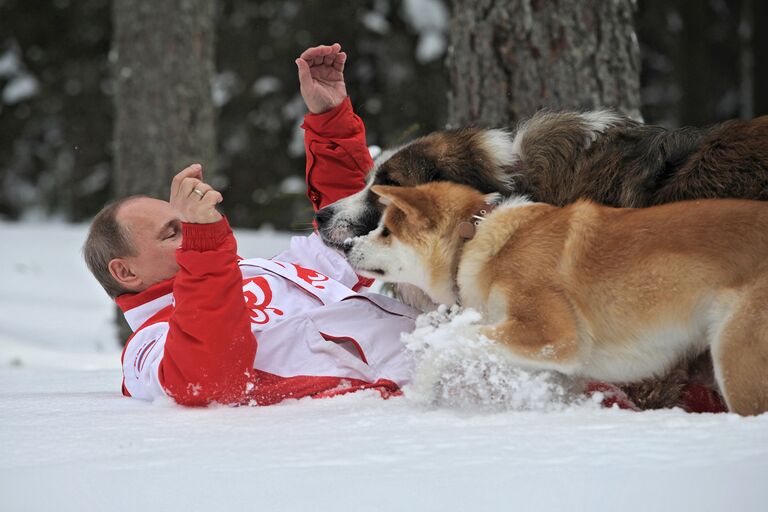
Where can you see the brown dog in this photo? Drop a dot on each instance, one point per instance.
(617, 295)
(561, 157)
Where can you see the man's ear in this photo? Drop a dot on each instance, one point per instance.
(410, 200)
(122, 273)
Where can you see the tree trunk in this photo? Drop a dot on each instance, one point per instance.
(760, 49)
(164, 115)
(509, 58)
(162, 57)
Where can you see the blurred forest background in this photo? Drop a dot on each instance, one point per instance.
(702, 61)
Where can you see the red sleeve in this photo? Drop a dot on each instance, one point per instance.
(337, 156)
(210, 348)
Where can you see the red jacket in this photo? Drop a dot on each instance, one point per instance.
(200, 315)
(209, 347)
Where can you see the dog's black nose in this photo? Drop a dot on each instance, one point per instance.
(347, 245)
(323, 216)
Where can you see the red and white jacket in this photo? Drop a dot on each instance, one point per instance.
(233, 330)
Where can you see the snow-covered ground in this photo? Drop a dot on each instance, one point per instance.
(70, 441)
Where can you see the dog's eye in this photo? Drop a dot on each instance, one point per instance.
(385, 232)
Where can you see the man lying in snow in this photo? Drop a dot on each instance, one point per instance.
(305, 328)
(212, 327)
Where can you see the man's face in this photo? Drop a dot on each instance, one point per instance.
(154, 228)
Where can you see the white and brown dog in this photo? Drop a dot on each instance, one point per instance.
(617, 295)
(561, 157)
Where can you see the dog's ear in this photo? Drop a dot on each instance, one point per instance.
(410, 200)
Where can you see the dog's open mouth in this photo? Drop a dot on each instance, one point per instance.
(336, 236)
(332, 242)
(371, 272)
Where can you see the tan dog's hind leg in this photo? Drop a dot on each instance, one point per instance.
(541, 333)
(740, 355)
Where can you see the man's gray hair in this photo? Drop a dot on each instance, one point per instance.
(107, 240)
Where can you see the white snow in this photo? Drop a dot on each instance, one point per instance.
(70, 441)
(429, 18)
(374, 151)
(266, 85)
(20, 88)
(375, 22)
(455, 366)
(223, 87)
(293, 185)
(431, 46)
(426, 14)
(9, 63)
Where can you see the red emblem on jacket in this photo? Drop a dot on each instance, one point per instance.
(258, 296)
(311, 276)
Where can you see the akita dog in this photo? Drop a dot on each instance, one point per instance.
(558, 157)
(617, 295)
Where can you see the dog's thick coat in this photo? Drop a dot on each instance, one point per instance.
(618, 295)
(560, 157)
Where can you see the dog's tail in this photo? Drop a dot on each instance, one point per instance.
(553, 145)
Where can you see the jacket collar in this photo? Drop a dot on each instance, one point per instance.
(140, 307)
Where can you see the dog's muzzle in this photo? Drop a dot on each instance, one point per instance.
(323, 217)
(335, 226)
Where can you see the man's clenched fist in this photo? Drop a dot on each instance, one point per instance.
(194, 200)
(321, 77)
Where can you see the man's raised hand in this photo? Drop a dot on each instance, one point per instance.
(194, 200)
(321, 77)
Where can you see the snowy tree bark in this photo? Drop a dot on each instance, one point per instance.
(746, 61)
(509, 58)
(162, 56)
(760, 48)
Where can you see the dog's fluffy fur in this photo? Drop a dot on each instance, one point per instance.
(560, 157)
(617, 295)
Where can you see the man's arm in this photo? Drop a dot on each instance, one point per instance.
(210, 348)
(334, 138)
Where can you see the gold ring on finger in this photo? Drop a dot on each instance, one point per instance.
(198, 192)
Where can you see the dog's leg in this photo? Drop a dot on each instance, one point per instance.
(528, 347)
(540, 332)
(740, 355)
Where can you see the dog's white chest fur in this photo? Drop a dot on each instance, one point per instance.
(650, 353)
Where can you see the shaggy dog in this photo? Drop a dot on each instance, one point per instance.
(616, 295)
(560, 157)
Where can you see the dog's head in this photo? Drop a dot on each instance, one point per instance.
(480, 158)
(417, 240)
